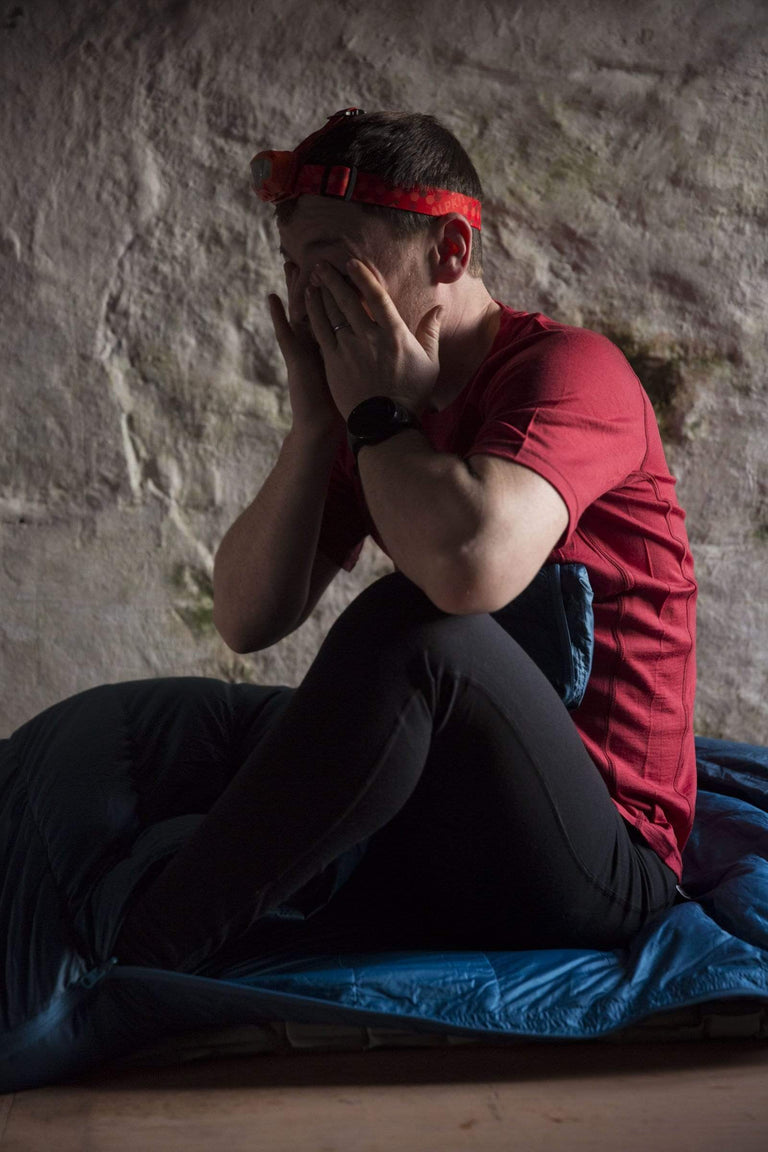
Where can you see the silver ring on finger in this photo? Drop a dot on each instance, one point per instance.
(344, 324)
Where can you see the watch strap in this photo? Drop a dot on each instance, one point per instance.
(367, 424)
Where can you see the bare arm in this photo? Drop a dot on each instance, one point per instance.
(265, 566)
(471, 533)
(267, 573)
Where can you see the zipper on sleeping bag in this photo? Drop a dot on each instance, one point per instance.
(26, 1033)
(96, 974)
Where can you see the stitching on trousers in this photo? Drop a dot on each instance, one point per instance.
(629, 905)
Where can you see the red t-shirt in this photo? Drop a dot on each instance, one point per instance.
(564, 402)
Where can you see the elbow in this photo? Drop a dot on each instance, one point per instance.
(469, 586)
(225, 627)
(244, 643)
(467, 600)
(471, 581)
(232, 642)
(233, 639)
(243, 646)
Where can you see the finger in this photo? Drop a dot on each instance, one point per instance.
(290, 271)
(279, 321)
(375, 295)
(292, 340)
(332, 309)
(319, 320)
(345, 297)
(428, 332)
(326, 292)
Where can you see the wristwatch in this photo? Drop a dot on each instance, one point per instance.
(376, 419)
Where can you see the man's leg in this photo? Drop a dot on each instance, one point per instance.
(439, 734)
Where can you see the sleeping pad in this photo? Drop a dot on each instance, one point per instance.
(82, 828)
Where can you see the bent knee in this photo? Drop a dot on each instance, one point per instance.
(393, 600)
(393, 606)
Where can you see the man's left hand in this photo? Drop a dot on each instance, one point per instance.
(375, 353)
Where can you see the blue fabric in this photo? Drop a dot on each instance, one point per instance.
(553, 621)
(74, 845)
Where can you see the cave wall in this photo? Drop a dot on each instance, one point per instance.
(142, 395)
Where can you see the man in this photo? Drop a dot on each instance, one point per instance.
(476, 444)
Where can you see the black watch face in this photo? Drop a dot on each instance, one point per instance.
(378, 410)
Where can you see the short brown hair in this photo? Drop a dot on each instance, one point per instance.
(409, 149)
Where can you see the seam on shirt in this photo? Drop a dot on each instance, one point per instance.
(619, 648)
(691, 643)
(659, 650)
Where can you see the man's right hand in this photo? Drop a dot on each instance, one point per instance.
(312, 404)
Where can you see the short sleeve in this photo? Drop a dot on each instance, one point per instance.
(570, 408)
(344, 525)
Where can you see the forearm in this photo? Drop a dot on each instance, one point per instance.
(427, 506)
(264, 562)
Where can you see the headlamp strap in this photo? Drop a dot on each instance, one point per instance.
(350, 184)
(282, 175)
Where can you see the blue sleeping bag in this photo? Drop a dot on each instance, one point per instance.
(78, 833)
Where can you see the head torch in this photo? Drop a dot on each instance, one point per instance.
(279, 176)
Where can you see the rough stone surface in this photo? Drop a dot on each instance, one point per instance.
(622, 149)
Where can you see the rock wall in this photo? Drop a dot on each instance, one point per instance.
(622, 150)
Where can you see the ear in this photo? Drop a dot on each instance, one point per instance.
(453, 248)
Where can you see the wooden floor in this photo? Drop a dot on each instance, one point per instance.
(682, 1097)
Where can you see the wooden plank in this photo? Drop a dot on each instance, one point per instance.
(6, 1103)
(693, 1097)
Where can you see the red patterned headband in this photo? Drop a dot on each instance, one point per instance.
(279, 176)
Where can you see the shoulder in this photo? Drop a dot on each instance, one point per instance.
(542, 359)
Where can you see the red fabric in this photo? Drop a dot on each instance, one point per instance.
(289, 178)
(372, 189)
(564, 402)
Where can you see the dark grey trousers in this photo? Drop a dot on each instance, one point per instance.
(435, 742)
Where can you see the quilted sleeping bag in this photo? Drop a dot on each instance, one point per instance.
(78, 832)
